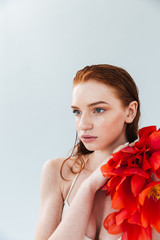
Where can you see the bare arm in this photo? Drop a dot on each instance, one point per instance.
(76, 219)
(51, 201)
(74, 224)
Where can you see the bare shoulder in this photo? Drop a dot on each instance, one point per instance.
(51, 199)
(51, 167)
(51, 179)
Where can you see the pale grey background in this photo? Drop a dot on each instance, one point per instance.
(42, 45)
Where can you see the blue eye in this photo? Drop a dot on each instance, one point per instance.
(76, 112)
(99, 110)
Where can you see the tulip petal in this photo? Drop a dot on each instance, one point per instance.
(137, 183)
(114, 181)
(154, 141)
(136, 171)
(133, 231)
(105, 170)
(146, 162)
(150, 213)
(155, 220)
(145, 234)
(140, 146)
(123, 197)
(145, 192)
(105, 187)
(135, 219)
(121, 216)
(155, 160)
(146, 131)
(111, 226)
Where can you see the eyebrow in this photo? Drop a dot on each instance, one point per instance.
(93, 104)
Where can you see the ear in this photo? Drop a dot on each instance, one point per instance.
(131, 111)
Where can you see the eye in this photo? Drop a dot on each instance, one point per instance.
(76, 112)
(99, 110)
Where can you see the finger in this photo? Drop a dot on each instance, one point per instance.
(131, 144)
(121, 147)
(108, 157)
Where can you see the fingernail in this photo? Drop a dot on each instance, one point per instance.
(126, 144)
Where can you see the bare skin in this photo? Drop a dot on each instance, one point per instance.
(99, 114)
(92, 211)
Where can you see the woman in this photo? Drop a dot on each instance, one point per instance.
(107, 109)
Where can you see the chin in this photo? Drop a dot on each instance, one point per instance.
(89, 148)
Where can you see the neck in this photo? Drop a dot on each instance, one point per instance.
(98, 156)
(101, 155)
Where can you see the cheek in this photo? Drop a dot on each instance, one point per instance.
(113, 121)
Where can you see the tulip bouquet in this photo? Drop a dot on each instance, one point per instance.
(134, 193)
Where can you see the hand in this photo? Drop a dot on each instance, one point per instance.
(123, 146)
(96, 180)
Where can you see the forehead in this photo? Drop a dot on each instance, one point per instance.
(94, 91)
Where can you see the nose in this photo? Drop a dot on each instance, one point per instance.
(85, 122)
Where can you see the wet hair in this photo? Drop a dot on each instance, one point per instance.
(125, 89)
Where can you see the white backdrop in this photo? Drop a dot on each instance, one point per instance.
(42, 45)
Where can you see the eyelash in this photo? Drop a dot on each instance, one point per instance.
(77, 112)
(99, 109)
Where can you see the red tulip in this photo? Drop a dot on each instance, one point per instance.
(149, 198)
(129, 225)
(146, 131)
(132, 190)
(154, 141)
(155, 163)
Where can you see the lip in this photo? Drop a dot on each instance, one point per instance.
(88, 138)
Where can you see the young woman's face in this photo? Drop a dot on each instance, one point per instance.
(99, 116)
